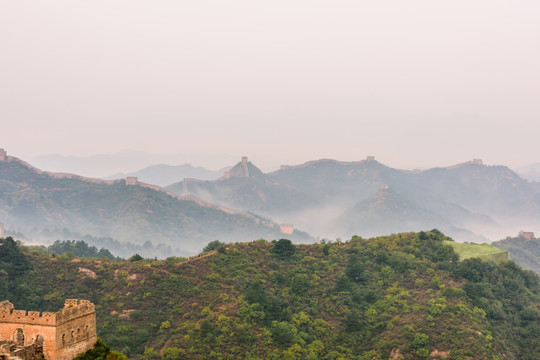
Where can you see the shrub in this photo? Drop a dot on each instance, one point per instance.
(283, 249)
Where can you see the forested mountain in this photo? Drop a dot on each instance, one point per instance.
(405, 296)
(525, 252)
(44, 206)
(328, 197)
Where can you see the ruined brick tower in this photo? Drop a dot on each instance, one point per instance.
(61, 336)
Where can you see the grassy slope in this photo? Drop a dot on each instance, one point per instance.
(482, 251)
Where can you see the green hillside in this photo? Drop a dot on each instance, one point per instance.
(405, 296)
(523, 251)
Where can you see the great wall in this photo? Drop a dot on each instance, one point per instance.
(62, 335)
(133, 181)
(5, 157)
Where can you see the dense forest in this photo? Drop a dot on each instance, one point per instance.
(404, 296)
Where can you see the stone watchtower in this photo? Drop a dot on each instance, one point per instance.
(62, 335)
(132, 180)
(3, 155)
(529, 235)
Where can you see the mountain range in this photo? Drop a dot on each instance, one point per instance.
(468, 201)
(43, 206)
(327, 198)
(125, 161)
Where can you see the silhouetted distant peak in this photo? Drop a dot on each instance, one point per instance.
(316, 163)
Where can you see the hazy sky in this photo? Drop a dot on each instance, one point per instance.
(415, 83)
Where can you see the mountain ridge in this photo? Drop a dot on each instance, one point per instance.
(163, 175)
(35, 202)
(476, 200)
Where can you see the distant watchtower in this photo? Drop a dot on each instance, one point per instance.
(58, 336)
(132, 180)
(3, 155)
(529, 235)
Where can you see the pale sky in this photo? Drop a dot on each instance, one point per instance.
(415, 83)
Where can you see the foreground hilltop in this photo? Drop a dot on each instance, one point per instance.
(329, 197)
(405, 296)
(46, 206)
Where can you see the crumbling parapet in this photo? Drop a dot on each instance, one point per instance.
(6, 304)
(70, 303)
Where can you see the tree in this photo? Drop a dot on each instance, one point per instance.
(300, 284)
(135, 257)
(12, 259)
(172, 353)
(13, 265)
(213, 245)
(101, 351)
(78, 248)
(284, 333)
(326, 249)
(283, 249)
(355, 270)
(207, 329)
(150, 353)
